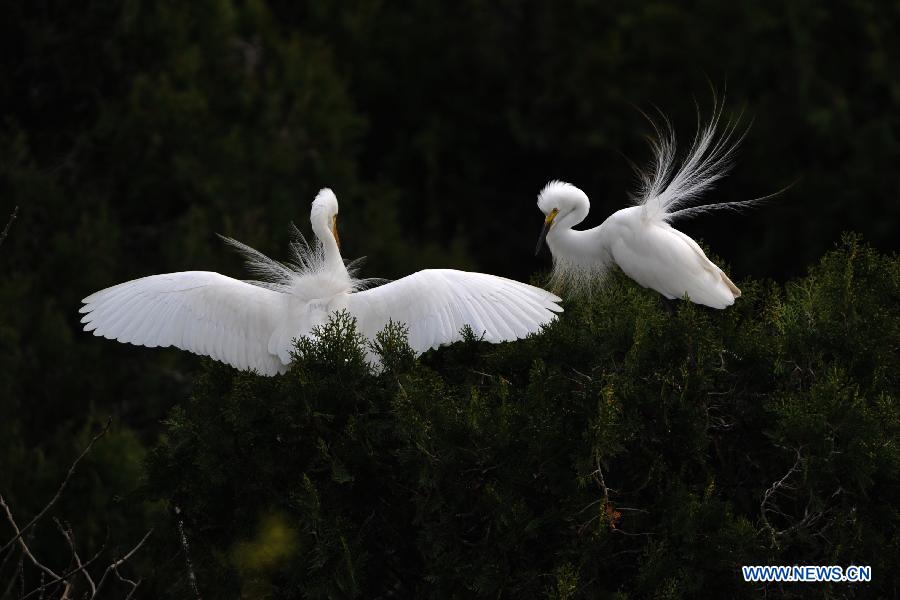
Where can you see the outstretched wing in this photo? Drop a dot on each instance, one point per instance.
(199, 311)
(435, 304)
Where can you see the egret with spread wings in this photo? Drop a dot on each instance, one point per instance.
(252, 325)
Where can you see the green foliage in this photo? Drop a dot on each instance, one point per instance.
(624, 452)
(134, 130)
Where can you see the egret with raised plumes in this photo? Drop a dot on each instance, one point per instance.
(640, 239)
(253, 325)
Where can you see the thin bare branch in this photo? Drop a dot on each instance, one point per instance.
(133, 589)
(62, 486)
(65, 576)
(783, 487)
(116, 564)
(134, 584)
(5, 232)
(70, 538)
(25, 550)
(765, 506)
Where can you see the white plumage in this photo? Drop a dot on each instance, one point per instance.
(640, 239)
(252, 325)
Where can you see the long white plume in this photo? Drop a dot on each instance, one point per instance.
(305, 275)
(577, 276)
(667, 193)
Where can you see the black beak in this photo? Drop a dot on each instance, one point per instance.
(542, 237)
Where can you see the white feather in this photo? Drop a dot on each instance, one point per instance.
(640, 239)
(307, 276)
(436, 304)
(666, 193)
(199, 311)
(579, 266)
(253, 325)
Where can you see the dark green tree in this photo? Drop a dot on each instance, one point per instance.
(622, 453)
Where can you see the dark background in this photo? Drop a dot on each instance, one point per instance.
(132, 132)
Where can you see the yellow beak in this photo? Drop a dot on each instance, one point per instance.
(550, 216)
(334, 232)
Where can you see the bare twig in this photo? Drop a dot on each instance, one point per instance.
(25, 550)
(59, 492)
(83, 568)
(5, 232)
(124, 579)
(49, 585)
(70, 538)
(112, 568)
(810, 517)
(65, 576)
(609, 511)
(598, 478)
(765, 506)
(134, 584)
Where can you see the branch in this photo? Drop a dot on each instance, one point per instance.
(116, 564)
(62, 486)
(67, 533)
(65, 576)
(134, 584)
(770, 494)
(9, 223)
(22, 544)
(598, 477)
(768, 504)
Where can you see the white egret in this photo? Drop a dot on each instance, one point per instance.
(252, 325)
(640, 239)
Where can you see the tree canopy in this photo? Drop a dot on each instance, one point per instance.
(622, 453)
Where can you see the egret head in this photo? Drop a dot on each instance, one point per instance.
(323, 215)
(563, 205)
